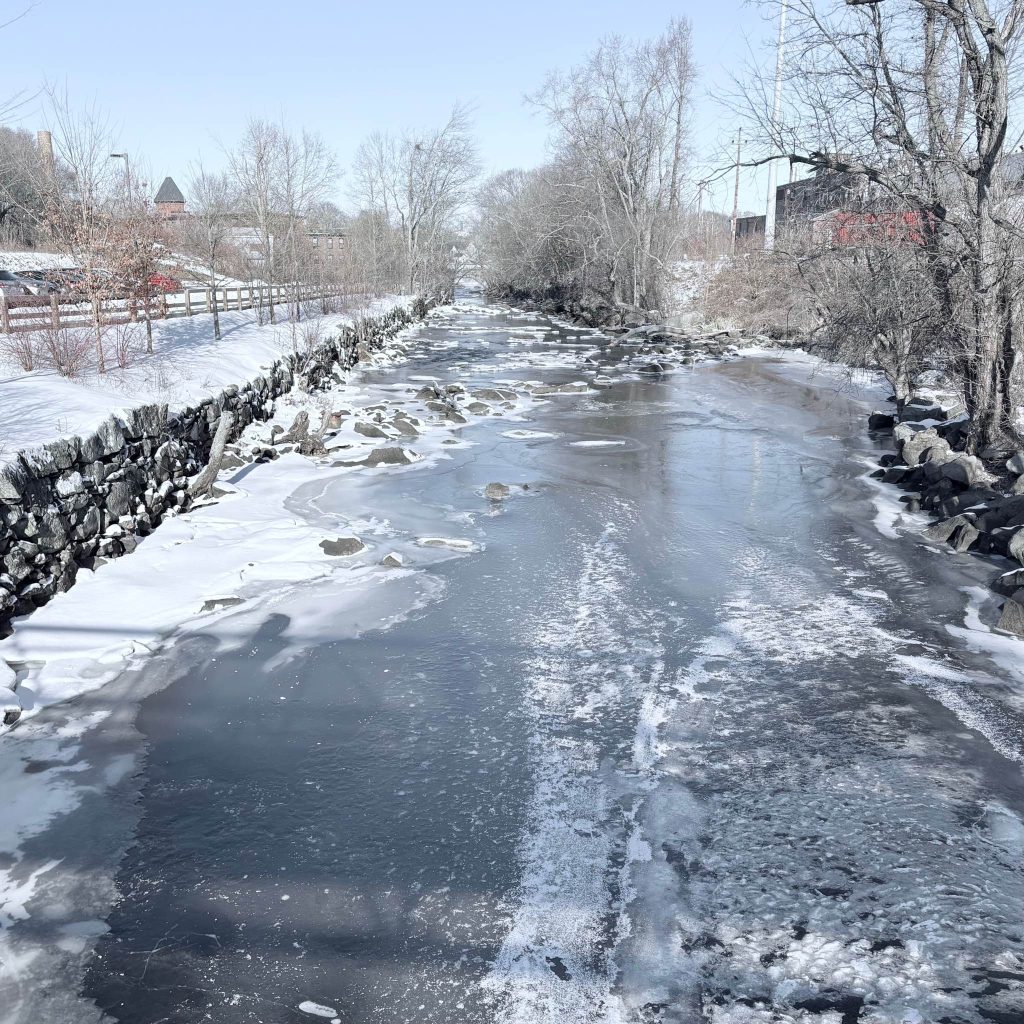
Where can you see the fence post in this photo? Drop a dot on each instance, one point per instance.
(163, 305)
(239, 290)
(5, 317)
(55, 311)
(188, 302)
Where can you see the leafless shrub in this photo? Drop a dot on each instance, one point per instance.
(312, 308)
(127, 343)
(68, 350)
(333, 304)
(312, 333)
(757, 292)
(22, 348)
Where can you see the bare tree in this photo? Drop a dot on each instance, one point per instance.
(206, 233)
(253, 169)
(79, 203)
(602, 222)
(132, 252)
(305, 171)
(912, 99)
(22, 187)
(622, 122)
(421, 183)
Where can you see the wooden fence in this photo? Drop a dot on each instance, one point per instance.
(52, 312)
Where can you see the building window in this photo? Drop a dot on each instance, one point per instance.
(316, 240)
(330, 243)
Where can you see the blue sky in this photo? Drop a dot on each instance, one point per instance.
(180, 76)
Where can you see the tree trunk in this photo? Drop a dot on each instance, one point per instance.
(147, 312)
(984, 388)
(204, 482)
(213, 305)
(98, 325)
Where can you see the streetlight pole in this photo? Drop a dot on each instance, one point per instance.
(769, 220)
(127, 173)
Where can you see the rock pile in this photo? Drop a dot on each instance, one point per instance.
(980, 503)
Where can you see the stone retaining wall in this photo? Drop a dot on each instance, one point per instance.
(77, 500)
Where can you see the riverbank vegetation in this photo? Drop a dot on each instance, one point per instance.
(602, 221)
(906, 110)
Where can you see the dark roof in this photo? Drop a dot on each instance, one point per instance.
(169, 193)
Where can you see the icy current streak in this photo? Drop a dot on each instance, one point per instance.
(677, 736)
(593, 682)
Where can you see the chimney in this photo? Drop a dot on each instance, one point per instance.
(44, 141)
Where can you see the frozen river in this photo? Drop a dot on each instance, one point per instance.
(699, 732)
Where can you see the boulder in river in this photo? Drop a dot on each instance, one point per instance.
(1012, 619)
(405, 426)
(967, 469)
(917, 447)
(941, 532)
(393, 560)
(10, 706)
(369, 430)
(390, 457)
(342, 546)
(881, 421)
(576, 388)
(495, 395)
(497, 492)
(1015, 545)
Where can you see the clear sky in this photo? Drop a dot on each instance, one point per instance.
(179, 77)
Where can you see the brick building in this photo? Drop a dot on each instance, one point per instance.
(169, 202)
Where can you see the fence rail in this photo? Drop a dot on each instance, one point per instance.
(51, 312)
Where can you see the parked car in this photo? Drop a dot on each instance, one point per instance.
(13, 286)
(70, 283)
(165, 283)
(39, 283)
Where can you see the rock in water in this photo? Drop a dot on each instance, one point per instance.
(342, 546)
(393, 560)
(404, 426)
(967, 469)
(1015, 546)
(497, 492)
(942, 531)
(369, 430)
(10, 706)
(1012, 619)
(390, 457)
(881, 421)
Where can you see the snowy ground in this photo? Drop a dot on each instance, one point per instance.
(187, 366)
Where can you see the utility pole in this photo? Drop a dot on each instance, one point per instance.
(769, 220)
(736, 189)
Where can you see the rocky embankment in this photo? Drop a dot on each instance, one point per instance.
(76, 502)
(979, 502)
